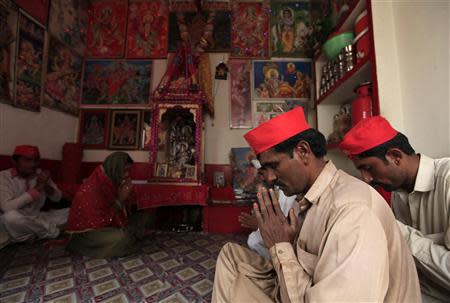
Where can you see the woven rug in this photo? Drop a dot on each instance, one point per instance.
(170, 267)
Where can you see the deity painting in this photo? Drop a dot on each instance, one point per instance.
(264, 111)
(94, 128)
(29, 64)
(62, 82)
(245, 175)
(250, 30)
(282, 79)
(124, 133)
(118, 82)
(146, 129)
(38, 9)
(241, 107)
(176, 142)
(147, 29)
(67, 22)
(106, 28)
(197, 27)
(291, 29)
(8, 30)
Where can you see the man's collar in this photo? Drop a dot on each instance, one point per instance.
(321, 183)
(425, 174)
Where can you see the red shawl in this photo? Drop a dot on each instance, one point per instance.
(93, 205)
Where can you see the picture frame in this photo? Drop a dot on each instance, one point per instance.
(29, 63)
(62, 84)
(191, 171)
(125, 129)
(106, 30)
(146, 126)
(93, 130)
(114, 82)
(68, 21)
(161, 170)
(240, 95)
(249, 30)
(36, 9)
(266, 110)
(148, 29)
(282, 79)
(219, 179)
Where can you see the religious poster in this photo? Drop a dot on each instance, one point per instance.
(8, 34)
(282, 79)
(291, 28)
(94, 128)
(241, 107)
(118, 82)
(106, 28)
(29, 64)
(266, 110)
(124, 131)
(67, 22)
(62, 86)
(146, 129)
(220, 40)
(147, 32)
(245, 175)
(38, 9)
(250, 30)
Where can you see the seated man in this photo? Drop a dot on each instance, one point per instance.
(420, 198)
(23, 191)
(340, 243)
(99, 215)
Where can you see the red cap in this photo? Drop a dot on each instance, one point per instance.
(28, 151)
(367, 134)
(277, 130)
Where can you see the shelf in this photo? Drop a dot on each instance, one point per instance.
(343, 89)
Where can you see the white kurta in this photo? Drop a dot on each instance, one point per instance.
(20, 205)
(424, 221)
(255, 241)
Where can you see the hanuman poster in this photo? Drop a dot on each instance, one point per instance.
(147, 29)
(106, 28)
(29, 64)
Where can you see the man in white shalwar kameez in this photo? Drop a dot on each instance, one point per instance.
(23, 192)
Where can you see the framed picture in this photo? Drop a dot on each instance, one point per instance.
(219, 179)
(62, 85)
(220, 40)
(29, 64)
(93, 133)
(118, 82)
(124, 130)
(249, 30)
(245, 177)
(148, 29)
(146, 129)
(291, 29)
(282, 79)
(190, 171)
(106, 28)
(240, 99)
(8, 32)
(68, 22)
(264, 111)
(36, 8)
(161, 170)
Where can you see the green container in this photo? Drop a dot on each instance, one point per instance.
(333, 46)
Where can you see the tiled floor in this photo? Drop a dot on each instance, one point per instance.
(171, 267)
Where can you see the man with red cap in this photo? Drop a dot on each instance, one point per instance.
(340, 243)
(420, 198)
(23, 191)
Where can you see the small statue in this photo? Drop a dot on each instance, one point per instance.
(342, 122)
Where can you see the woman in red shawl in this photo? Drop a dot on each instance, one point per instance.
(98, 218)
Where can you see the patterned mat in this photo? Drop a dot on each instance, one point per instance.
(171, 267)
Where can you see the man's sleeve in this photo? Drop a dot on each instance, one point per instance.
(8, 201)
(353, 266)
(57, 194)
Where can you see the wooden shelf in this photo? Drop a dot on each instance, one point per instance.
(340, 92)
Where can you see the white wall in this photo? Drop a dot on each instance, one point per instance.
(48, 129)
(412, 48)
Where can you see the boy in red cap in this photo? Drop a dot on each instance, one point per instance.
(420, 198)
(340, 243)
(23, 191)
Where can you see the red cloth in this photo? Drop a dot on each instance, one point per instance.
(93, 205)
(28, 151)
(71, 163)
(367, 134)
(277, 130)
(154, 195)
